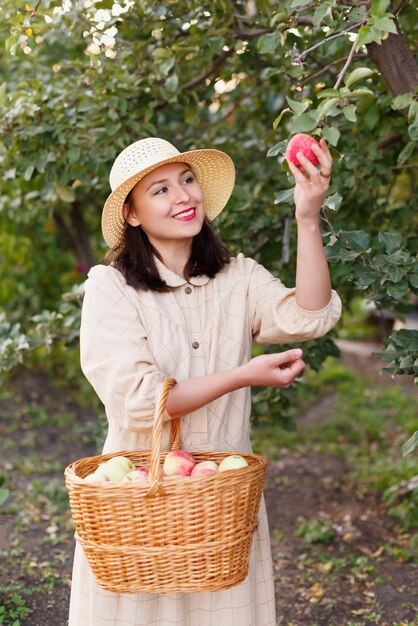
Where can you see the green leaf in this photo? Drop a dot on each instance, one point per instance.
(328, 93)
(398, 290)
(361, 91)
(413, 131)
(395, 274)
(413, 280)
(413, 111)
(298, 3)
(303, 123)
(358, 74)
(331, 134)
(406, 153)
(379, 7)
(410, 445)
(386, 24)
(327, 107)
(74, 154)
(65, 193)
(357, 14)
(367, 34)
(402, 101)
(390, 241)
(357, 240)
(268, 43)
(279, 119)
(320, 12)
(371, 116)
(4, 494)
(216, 44)
(278, 148)
(298, 107)
(29, 171)
(3, 88)
(286, 168)
(349, 112)
(172, 83)
(333, 202)
(285, 196)
(365, 278)
(406, 338)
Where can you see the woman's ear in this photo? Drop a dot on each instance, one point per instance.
(129, 216)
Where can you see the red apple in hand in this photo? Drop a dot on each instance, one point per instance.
(301, 143)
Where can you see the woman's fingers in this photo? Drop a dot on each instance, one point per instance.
(286, 366)
(274, 370)
(311, 171)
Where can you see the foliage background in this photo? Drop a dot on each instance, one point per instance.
(81, 80)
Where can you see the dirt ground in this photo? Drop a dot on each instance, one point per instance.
(348, 578)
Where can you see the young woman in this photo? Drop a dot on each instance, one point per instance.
(171, 302)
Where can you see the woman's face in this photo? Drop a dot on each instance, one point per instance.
(168, 204)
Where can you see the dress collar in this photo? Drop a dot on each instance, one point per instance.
(174, 280)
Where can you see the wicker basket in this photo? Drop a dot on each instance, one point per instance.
(178, 535)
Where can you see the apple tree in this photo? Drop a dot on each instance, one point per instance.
(81, 80)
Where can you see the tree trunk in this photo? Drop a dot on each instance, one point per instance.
(395, 63)
(76, 230)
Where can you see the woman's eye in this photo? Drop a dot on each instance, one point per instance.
(161, 190)
(188, 180)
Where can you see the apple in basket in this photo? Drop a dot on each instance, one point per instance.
(204, 468)
(113, 470)
(231, 462)
(178, 463)
(138, 475)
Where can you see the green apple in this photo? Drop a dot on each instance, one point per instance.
(101, 472)
(110, 472)
(123, 461)
(95, 477)
(233, 461)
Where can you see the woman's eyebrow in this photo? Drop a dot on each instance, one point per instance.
(164, 180)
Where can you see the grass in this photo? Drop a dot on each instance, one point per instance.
(364, 422)
(13, 607)
(367, 424)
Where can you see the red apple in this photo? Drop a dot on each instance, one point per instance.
(140, 475)
(178, 463)
(204, 468)
(301, 143)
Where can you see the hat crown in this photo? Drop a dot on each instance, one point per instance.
(139, 156)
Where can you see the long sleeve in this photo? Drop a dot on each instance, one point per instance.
(115, 356)
(275, 316)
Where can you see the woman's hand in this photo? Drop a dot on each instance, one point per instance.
(311, 184)
(267, 370)
(273, 370)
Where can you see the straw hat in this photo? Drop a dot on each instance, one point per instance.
(214, 171)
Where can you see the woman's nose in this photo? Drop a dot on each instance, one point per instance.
(182, 195)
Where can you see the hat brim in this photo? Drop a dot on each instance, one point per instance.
(214, 171)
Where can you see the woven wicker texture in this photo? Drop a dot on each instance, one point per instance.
(214, 170)
(174, 535)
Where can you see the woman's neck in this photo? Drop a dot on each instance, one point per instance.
(175, 257)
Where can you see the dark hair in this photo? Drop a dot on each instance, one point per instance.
(134, 257)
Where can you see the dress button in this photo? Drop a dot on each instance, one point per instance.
(188, 290)
(195, 345)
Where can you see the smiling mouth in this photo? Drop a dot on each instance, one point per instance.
(186, 215)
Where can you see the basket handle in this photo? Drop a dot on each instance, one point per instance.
(157, 430)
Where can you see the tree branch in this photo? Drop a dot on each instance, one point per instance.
(398, 6)
(199, 79)
(303, 54)
(328, 66)
(346, 65)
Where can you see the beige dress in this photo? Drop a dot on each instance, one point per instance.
(130, 342)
